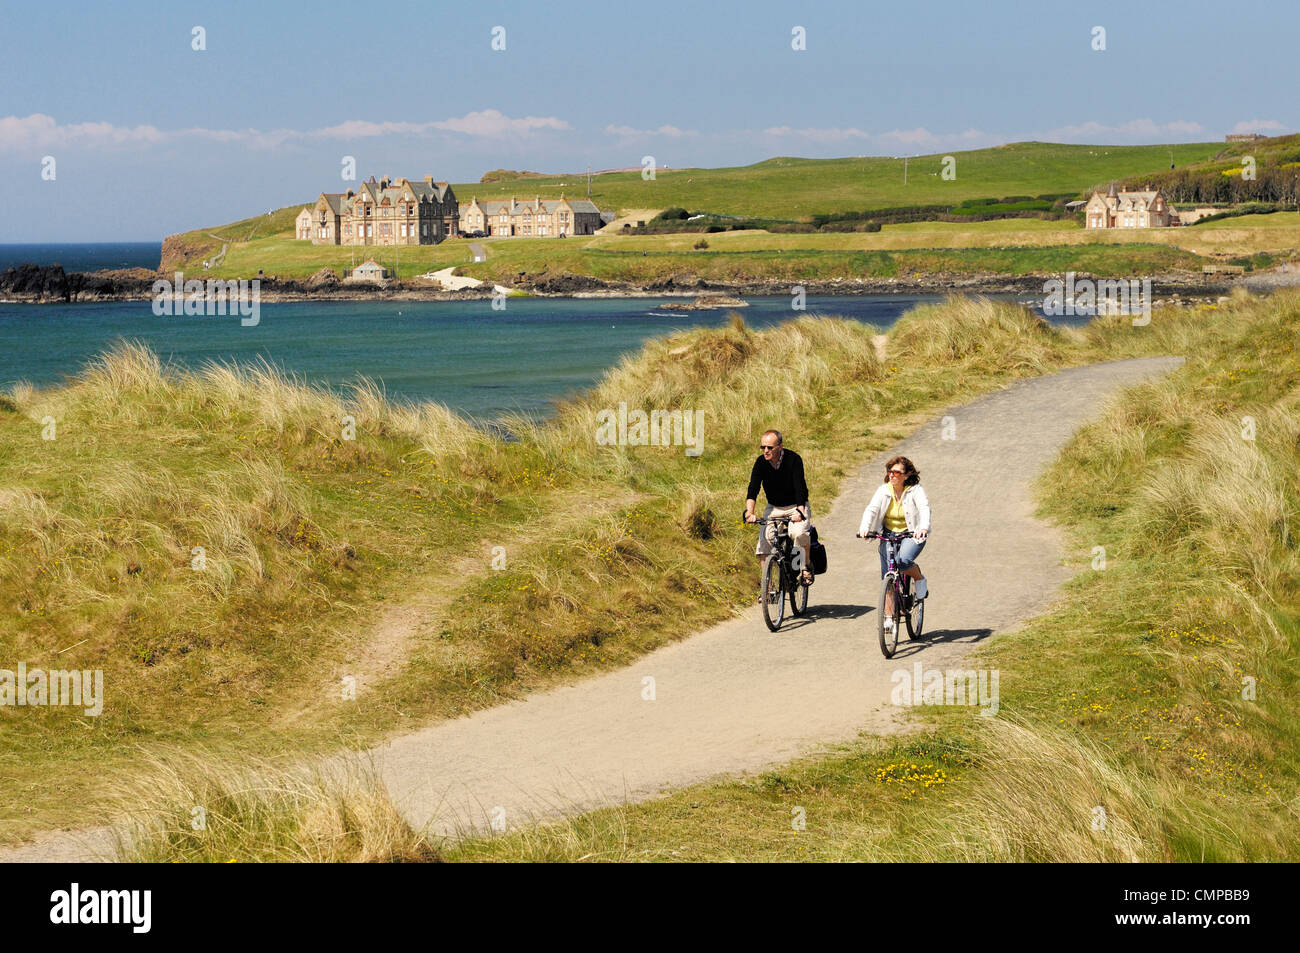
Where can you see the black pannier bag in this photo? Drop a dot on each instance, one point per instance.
(818, 553)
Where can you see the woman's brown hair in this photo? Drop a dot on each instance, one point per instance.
(911, 476)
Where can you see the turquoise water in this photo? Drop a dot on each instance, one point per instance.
(460, 353)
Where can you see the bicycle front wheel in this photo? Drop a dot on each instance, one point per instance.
(771, 594)
(888, 636)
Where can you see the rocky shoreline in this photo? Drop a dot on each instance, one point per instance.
(49, 284)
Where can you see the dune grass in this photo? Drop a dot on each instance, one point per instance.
(204, 809)
(324, 554)
(214, 542)
(1149, 717)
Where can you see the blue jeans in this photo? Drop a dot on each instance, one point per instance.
(904, 557)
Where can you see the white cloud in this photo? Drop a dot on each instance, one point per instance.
(39, 131)
(826, 134)
(1135, 129)
(907, 140)
(1259, 125)
(628, 132)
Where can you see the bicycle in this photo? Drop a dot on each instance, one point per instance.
(780, 576)
(911, 610)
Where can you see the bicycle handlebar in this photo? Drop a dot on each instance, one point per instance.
(890, 537)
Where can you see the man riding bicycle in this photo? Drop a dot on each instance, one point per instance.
(780, 473)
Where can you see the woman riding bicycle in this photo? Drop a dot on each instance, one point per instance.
(899, 506)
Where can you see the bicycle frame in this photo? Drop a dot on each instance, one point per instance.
(901, 580)
(783, 546)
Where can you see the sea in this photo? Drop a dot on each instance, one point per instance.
(478, 361)
(87, 256)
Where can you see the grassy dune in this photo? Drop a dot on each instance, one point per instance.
(373, 557)
(1150, 717)
(325, 558)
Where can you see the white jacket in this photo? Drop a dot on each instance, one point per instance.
(916, 509)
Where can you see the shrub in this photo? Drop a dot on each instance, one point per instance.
(671, 215)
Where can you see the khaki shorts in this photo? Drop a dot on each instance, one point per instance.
(798, 531)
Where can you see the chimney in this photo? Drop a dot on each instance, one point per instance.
(428, 180)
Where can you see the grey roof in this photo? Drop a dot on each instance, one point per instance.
(548, 206)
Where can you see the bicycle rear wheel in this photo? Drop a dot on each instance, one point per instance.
(771, 594)
(915, 618)
(888, 637)
(798, 599)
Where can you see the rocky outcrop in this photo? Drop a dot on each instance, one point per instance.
(558, 282)
(705, 303)
(52, 283)
(323, 280)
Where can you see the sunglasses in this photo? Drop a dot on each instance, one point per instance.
(897, 472)
(763, 446)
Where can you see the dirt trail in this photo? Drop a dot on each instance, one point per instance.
(738, 698)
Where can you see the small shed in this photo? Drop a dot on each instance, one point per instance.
(369, 270)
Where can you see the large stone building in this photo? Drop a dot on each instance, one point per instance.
(540, 218)
(387, 212)
(1144, 209)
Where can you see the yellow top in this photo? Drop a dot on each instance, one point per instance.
(895, 521)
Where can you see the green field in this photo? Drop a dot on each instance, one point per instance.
(781, 188)
(791, 188)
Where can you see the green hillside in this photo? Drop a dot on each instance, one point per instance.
(793, 188)
(784, 188)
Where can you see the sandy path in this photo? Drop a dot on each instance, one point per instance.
(738, 698)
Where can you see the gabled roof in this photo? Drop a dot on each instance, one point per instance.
(547, 206)
(335, 201)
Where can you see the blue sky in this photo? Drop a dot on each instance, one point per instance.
(150, 136)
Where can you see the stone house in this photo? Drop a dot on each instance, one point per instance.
(1142, 209)
(387, 212)
(540, 218)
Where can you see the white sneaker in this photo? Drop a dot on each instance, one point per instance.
(921, 589)
(889, 624)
